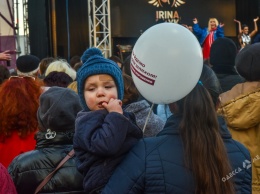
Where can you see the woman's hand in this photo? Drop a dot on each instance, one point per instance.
(195, 21)
(256, 19)
(221, 25)
(237, 21)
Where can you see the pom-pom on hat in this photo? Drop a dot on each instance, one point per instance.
(27, 65)
(94, 63)
(248, 62)
(58, 109)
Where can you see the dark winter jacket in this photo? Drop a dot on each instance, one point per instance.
(101, 141)
(228, 81)
(155, 165)
(29, 169)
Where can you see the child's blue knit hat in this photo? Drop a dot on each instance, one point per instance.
(94, 63)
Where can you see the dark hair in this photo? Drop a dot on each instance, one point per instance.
(243, 26)
(126, 66)
(131, 93)
(77, 66)
(74, 60)
(44, 63)
(56, 78)
(211, 82)
(205, 152)
(4, 74)
(117, 60)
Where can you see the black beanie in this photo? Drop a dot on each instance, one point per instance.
(58, 109)
(248, 62)
(222, 55)
(27, 64)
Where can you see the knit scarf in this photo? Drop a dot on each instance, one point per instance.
(207, 44)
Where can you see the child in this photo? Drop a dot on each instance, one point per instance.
(104, 133)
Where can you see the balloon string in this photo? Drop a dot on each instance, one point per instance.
(146, 121)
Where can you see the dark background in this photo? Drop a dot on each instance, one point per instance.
(136, 15)
(128, 19)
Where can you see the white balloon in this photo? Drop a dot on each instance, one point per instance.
(166, 63)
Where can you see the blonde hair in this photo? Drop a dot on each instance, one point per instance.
(73, 86)
(61, 65)
(212, 19)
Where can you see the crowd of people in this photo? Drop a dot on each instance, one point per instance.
(81, 126)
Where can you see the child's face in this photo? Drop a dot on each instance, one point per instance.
(98, 89)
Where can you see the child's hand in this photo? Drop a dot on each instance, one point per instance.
(113, 105)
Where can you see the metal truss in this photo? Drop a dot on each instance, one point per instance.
(100, 26)
(26, 27)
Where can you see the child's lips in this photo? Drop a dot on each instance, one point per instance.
(100, 104)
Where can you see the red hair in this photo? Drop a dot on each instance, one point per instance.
(19, 102)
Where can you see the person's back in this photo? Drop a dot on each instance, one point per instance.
(222, 58)
(56, 117)
(19, 101)
(241, 107)
(6, 183)
(189, 155)
(4, 74)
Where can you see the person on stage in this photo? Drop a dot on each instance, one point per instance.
(207, 35)
(244, 37)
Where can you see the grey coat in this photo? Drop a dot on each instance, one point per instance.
(141, 110)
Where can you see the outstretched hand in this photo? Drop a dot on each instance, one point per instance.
(188, 27)
(195, 21)
(221, 25)
(237, 21)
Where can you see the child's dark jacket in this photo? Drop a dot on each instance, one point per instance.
(101, 141)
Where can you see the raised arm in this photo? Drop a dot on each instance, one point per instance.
(196, 28)
(242, 45)
(256, 28)
(188, 27)
(239, 26)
